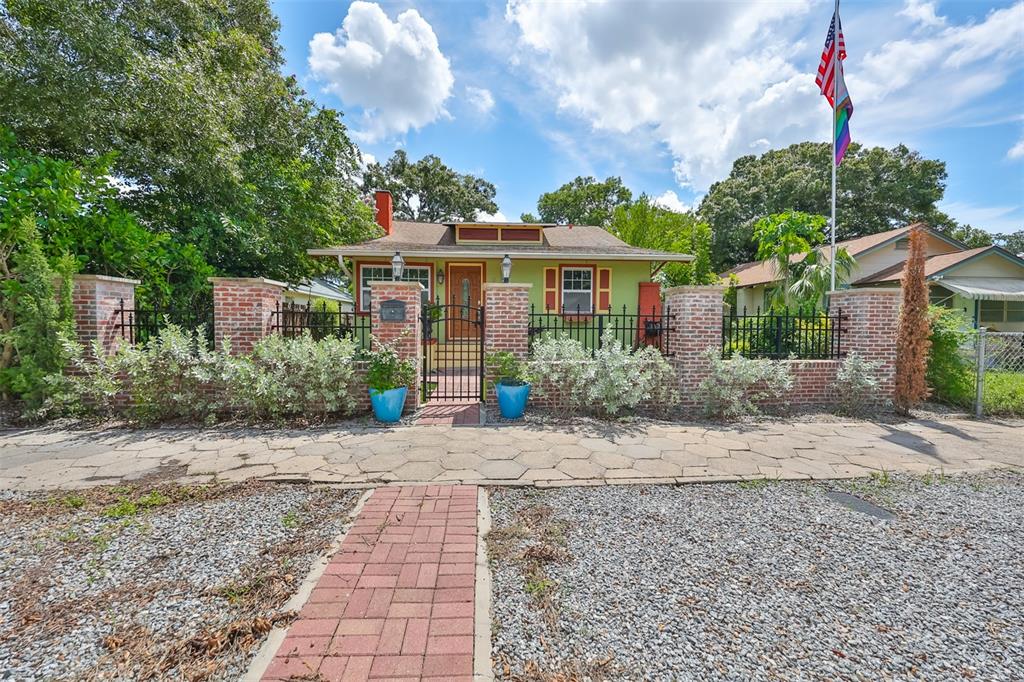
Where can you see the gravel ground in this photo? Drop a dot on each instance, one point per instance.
(153, 581)
(761, 581)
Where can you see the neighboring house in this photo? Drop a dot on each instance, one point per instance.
(317, 290)
(575, 268)
(986, 282)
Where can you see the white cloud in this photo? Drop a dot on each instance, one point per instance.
(497, 217)
(671, 201)
(480, 99)
(996, 219)
(1017, 150)
(672, 73)
(393, 70)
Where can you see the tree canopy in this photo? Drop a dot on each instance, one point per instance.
(1013, 242)
(186, 103)
(643, 224)
(429, 191)
(878, 189)
(584, 201)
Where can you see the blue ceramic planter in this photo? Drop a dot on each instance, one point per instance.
(387, 405)
(512, 399)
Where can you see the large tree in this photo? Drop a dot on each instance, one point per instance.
(429, 191)
(211, 143)
(1013, 242)
(644, 224)
(584, 201)
(878, 189)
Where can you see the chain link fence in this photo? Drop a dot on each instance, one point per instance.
(998, 365)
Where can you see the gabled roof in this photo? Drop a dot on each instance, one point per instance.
(936, 265)
(430, 240)
(763, 271)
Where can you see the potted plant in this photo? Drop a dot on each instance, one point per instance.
(512, 384)
(388, 378)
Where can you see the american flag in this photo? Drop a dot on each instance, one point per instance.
(825, 68)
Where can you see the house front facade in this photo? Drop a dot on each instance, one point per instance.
(986, 283)
(574, 270)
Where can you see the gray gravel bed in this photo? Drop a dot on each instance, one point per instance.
(160, 572)
(771, 581)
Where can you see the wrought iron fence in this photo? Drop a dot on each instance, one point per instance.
(139, 325)
(321, 320)
(804, 334)
(630, 329)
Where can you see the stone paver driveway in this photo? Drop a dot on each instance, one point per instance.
(551, 455)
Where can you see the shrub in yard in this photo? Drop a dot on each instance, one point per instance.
(294, 376)
(556, 365)
(856, 383)
(912, 332)
(173, 376)
(385, 370)
(618, 380)
(610, 382)
(733, 387)
(950, 374)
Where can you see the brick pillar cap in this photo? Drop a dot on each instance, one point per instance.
(247, 280)
(105, 278)
(411, 285)
(867, 291)
(507, 285)
(701, 289)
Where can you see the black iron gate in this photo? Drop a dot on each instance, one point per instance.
(453, 353)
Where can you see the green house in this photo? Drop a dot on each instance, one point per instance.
(575, 270)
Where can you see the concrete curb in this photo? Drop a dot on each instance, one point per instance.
(276, 636)
(482, 669)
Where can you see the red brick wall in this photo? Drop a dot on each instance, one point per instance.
(869, 324)
(697, 325)
(243, 310)
(506, 324)
(97, 303)
(405, 335)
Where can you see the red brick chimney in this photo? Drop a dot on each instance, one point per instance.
(385, 209)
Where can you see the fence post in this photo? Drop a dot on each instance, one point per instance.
(99, 302)
(698, 314)
(872, 315)
(507, 311)
(243, 310)
(979, 383)
(405, 335)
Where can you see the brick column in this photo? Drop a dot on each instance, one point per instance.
(406, 336)
(242, 310)
(506, 323)
(870, 317)
(697, 325)
(97, 302)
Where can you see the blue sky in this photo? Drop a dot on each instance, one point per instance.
(667, 94)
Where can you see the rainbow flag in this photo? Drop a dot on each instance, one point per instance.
(843, 113)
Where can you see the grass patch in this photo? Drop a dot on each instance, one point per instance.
(1003, 393)
(290, 520)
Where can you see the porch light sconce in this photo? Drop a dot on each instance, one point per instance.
(506, 268)
(397, 266)
(440, 276)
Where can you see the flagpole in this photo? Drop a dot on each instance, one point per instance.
(835, 102)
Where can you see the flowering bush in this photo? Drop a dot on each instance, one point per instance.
(386, 370)
(856, 382)
(612, 381)
(733, 387)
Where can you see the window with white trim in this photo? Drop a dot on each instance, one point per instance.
(382, 273)
(577, 290)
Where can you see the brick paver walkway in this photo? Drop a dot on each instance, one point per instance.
(449, 413)
(397, 600)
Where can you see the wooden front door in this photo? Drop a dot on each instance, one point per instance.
(464, 285)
